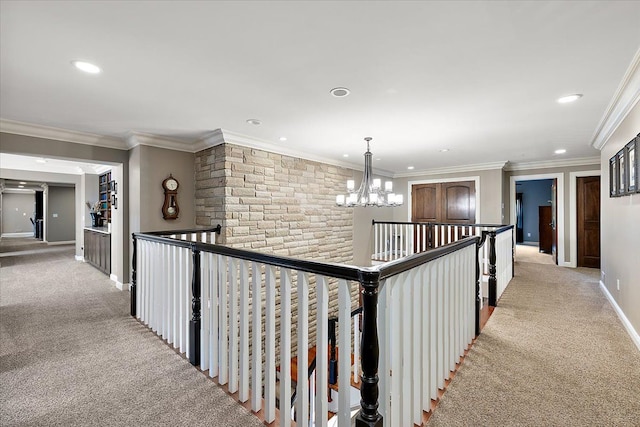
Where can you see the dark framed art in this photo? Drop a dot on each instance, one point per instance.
(622, 175)
(613, 176)
(632, 165)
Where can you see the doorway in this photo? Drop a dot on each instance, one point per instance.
(588, 221)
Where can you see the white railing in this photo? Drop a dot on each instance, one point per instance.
(504, 261)
(426, 318)
(238, 313)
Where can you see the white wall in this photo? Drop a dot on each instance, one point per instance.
(17, 208)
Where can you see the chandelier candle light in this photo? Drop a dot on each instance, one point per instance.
(370, 192)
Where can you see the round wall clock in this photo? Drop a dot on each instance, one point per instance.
(170, 207)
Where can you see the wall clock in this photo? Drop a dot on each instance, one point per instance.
(170, 207)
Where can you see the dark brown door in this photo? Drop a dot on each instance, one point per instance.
(588, 210)
(446, 202)
(545, 229)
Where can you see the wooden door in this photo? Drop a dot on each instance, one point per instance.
(545, 229)
(554, 220)
(445, 202)
(588, 210)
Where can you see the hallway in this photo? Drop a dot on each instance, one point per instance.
(71, 355)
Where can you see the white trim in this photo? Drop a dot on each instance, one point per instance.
(138, 138)
(439, 180)
(119, 285)
(573, 213)
(559, 206)
(625, 322)
(453, 169)
(80, 258)
(222, 136)
(58, 134)
(557, 163)
(19, 234)
(65, 242)
(623, 101)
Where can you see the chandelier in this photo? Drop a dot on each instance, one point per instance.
(370, 192)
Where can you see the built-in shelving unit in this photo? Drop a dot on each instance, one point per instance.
(105, 197)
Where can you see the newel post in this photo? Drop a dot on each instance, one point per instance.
(493, 283)
(479, 242)
(194, 324)
(132, 289)
(368, 416)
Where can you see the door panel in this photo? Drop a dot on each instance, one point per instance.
(424, 202)
(588, 211)
(458, 202)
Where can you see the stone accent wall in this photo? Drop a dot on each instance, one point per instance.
(277, 204)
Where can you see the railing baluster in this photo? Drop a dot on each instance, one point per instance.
(302, 391)
(492, 269)
(285, 347)
(256, 328)
(344, 362)
(270, 346)
(223, 372)
(194, 331)
(233, 325)
(322, 353)
(244, 331)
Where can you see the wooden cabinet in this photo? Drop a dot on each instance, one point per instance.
(97, 250)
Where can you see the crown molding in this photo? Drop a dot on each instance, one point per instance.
(625, 98)
(559, 163)
(223, 136)
(57, 134)
(139, 138)
(454, 169)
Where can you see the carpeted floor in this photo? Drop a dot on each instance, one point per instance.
(70, 355)
(553, 353)
(527, 253)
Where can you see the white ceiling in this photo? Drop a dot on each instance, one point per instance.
(480, 78)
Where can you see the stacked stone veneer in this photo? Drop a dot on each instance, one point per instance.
(276, 204)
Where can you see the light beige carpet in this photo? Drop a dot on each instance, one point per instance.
(525, 253)
(70, 355)
(553, 353)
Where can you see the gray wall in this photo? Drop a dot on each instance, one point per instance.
(490, 192)
(535, 193)
(61, 214)
(17, 208)
(149, 166)
(42, 147)
(620, 229)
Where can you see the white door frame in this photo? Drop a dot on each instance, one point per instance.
(441, 180)
(573, 213)
(559, 206)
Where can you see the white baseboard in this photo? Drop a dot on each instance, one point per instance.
(79, 258)
(66, 242)
(20, 234)
(121, 286)
(627, 325)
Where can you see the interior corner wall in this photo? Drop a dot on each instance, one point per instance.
(150, 166)
(620, 229)
(490, 193)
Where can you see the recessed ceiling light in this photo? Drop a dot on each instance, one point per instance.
(22, 182)
(283, 138)
(20, 186)
(87, 67)
(410, 167)
(345, 155)
(41, 160)
(560, 151)
(378, 158)
(569, 98)
(444, 150)
(254, 122)
(340, 92)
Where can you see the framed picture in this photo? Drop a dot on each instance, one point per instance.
(113, 187)
(114, 201)
(632, 165)
(613, 176)
(622, 175)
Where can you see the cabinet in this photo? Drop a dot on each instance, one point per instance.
(97, 250)
(105, 197)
